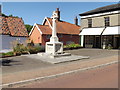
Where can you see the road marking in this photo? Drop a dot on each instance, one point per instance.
(56, 75)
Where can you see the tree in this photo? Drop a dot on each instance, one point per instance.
(13, 16)
(28, 27)
(4, 15)
(10, 15)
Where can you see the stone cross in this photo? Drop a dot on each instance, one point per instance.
(54, 46)
(54, 37)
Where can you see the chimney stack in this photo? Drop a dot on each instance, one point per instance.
(76, 20)
(58, 13)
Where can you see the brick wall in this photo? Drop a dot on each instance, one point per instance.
(63, 38)
(36, 36)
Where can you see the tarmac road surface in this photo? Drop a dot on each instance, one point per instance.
(104, 77)
(20, 63)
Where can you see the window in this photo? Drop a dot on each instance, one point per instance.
(89, 23)
(48, 36)
(107, 21)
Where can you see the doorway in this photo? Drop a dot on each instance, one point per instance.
(97, 42)
(117, 42)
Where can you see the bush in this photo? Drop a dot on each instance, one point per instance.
(72, 46)
(29, 49)
(20, 49)
(30, 43)
(34, 49)
(6, 54)
(42, 48)
(109, 47)
(9, 54)
(2, 54)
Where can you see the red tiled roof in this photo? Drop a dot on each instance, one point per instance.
(62, 28)
(4, 26)
(45, 29)
(50, 20)
(67, 28)
(13, 26)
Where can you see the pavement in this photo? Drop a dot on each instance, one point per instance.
(24, 68)
(57, 60)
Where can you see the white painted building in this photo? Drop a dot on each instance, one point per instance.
(100, 27)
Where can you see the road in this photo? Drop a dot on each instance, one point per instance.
(104, 77)
(20, 63)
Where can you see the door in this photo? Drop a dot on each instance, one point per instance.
(97, 42)
(117, 42)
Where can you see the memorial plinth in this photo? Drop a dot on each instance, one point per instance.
(54, 49)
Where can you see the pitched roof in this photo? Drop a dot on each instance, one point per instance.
(4, 26)
(45, 29)
(63, 27)
(108, 8)
(50, 20)
(12, 26)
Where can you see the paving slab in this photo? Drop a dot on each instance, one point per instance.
(57, 60)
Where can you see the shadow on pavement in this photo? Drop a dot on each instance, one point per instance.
(8, 62)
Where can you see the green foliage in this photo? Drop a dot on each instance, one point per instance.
(109, 47)
(72, 46)
(13, 16)
(42, 48)
(20, 49)
(28, 27)
(4, 15)
(34, 49)
(10, 15)
(2, 54)
(6, 54)
(9, 54)
(16, 16)
(31, 43)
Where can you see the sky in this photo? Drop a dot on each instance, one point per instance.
(35, 12)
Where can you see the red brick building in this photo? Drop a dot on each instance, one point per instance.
(67, 32)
